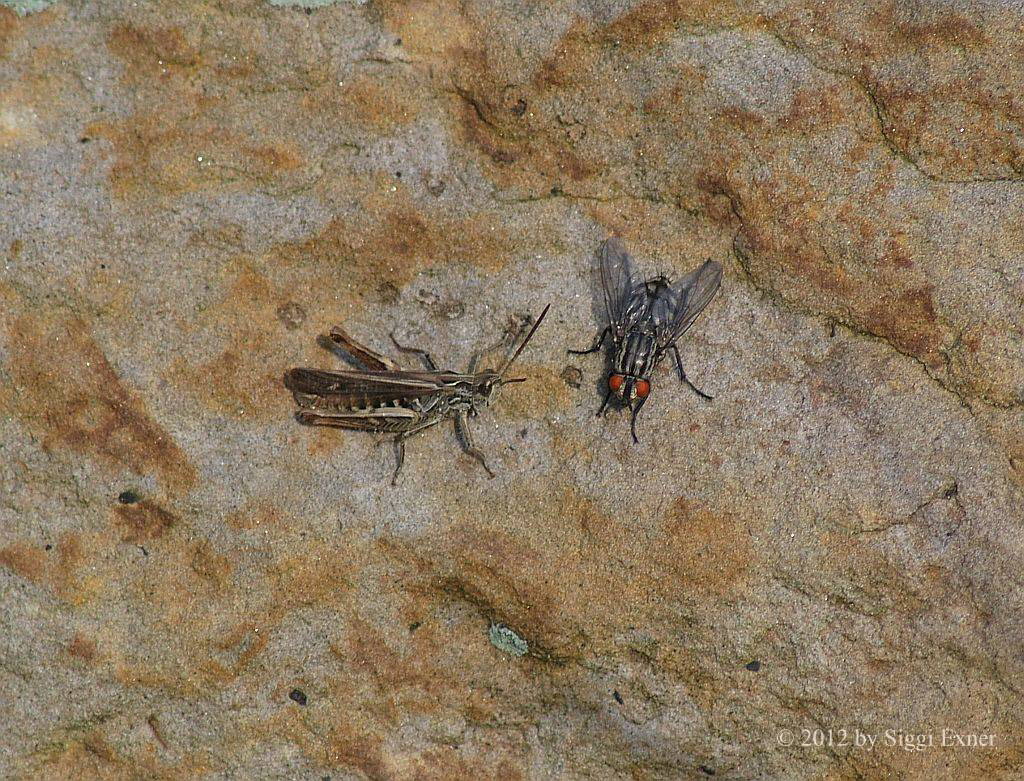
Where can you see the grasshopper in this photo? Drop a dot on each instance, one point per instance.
(383, 398)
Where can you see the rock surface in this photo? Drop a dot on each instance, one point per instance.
(193, 585)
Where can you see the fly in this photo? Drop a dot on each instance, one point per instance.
(645, 319)
(381, 397)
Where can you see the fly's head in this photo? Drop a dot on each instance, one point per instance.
(628, 389)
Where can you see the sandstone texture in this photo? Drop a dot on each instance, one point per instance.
(192, 585)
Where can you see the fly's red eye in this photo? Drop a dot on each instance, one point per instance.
(643, 387)
(614, 381)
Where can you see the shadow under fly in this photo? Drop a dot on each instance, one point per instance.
(645, 319)
(381, 397)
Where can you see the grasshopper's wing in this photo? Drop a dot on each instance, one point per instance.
(327, 390)
(624, 292)
(675, 308)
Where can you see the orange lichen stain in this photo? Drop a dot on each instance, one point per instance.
(897, 254)
(275, 157)
(142, 521)
(210, 565)
(240, 380)
(153, 155)
(544, 390)
(393, 239)
(152, 53)
(72, 399)
(948, 29)
(82, 647)
(243, 644)
(24, 560)
(909, 323)
(707, 552)
(376, 103)
(59, 570)
(8, 28)
(261, 516)
(649, 24)
(86, 756)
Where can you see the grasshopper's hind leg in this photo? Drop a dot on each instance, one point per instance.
(416, 351)
(399, 457)
(400, 444)
(462, 427)
(364, 355)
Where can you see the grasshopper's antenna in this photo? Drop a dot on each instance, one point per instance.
(525, 342)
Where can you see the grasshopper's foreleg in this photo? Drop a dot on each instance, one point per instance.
(462, 427)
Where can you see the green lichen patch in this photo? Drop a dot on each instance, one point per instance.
(504, 639)
(23, 7)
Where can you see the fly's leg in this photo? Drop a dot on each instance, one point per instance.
(596, 346)
(462, 426)
(416, 351)
(632, 423)
(683, 377)
(607, 398)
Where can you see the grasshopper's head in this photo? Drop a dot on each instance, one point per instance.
(486, 385)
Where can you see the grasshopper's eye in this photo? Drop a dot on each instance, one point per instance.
(642, 387)
(615, 382)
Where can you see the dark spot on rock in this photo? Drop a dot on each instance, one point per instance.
(708, 771)
(617, 696)
(522, 433)
(103, 265)
(398, 174)
(519, 108)
(556, 190)
(144, 551)
(292, 315)
(952, 491)
(398, 41)
(414, 626)
(297, 695)
(753, 666)
(309, 11)
(573, 377)
(435, 187)
(128, 497)
(48, 546)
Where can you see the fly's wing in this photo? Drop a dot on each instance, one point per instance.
(675, 307)
(624, 293)
(317, 389)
